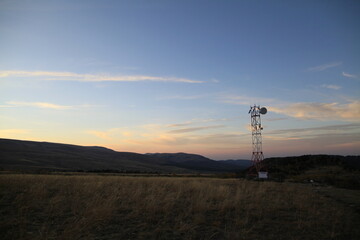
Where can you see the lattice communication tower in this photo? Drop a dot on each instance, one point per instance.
(257, 154)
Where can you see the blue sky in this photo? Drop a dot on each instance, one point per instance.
(179, 76)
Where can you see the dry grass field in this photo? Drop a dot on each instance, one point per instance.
(118, 207)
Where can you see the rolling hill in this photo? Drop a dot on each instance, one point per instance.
(198, 162)
(35, 156)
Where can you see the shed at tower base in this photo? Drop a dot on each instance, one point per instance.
(263, 175)
(257, 170)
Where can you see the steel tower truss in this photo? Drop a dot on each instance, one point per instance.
(257, 153)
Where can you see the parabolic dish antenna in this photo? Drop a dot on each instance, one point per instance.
(263, 110)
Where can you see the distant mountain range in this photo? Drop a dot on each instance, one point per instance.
(45, 156)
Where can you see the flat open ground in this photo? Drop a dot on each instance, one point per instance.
(120, 207)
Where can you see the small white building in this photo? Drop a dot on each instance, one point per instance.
(263, 175)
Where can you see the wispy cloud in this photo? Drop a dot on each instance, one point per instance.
(180, 124)
(197, 121)
(182, 97)
(331, 86)
(275, 119)
(7, 106)
(346, 111)
(110, 134)
(349, 75)
(280, 138)
(327, 128)
(5, 132)
(245, 100)
(100, 134)
(15, 133)
(69, 76)
(39, 105)
(321, 111)
(345, 143)
(324, 67)
(193, 129)
(158, 137)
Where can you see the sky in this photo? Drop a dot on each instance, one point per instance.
(180, 76)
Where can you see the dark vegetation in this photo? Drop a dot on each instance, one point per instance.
(339, 171)
(119, 207)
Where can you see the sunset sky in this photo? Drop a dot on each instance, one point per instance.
(180, 76)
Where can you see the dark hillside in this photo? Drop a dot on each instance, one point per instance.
(297, 165)
(30, 155)
(44, 156)
(341, 171)
(240, 163)
(195, 162)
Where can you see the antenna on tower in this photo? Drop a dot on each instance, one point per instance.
(257, 157)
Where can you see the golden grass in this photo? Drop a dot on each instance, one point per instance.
(111, 207)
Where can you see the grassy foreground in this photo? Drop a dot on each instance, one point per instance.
(114, 207)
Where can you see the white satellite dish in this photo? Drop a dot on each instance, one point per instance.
(263, 110)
